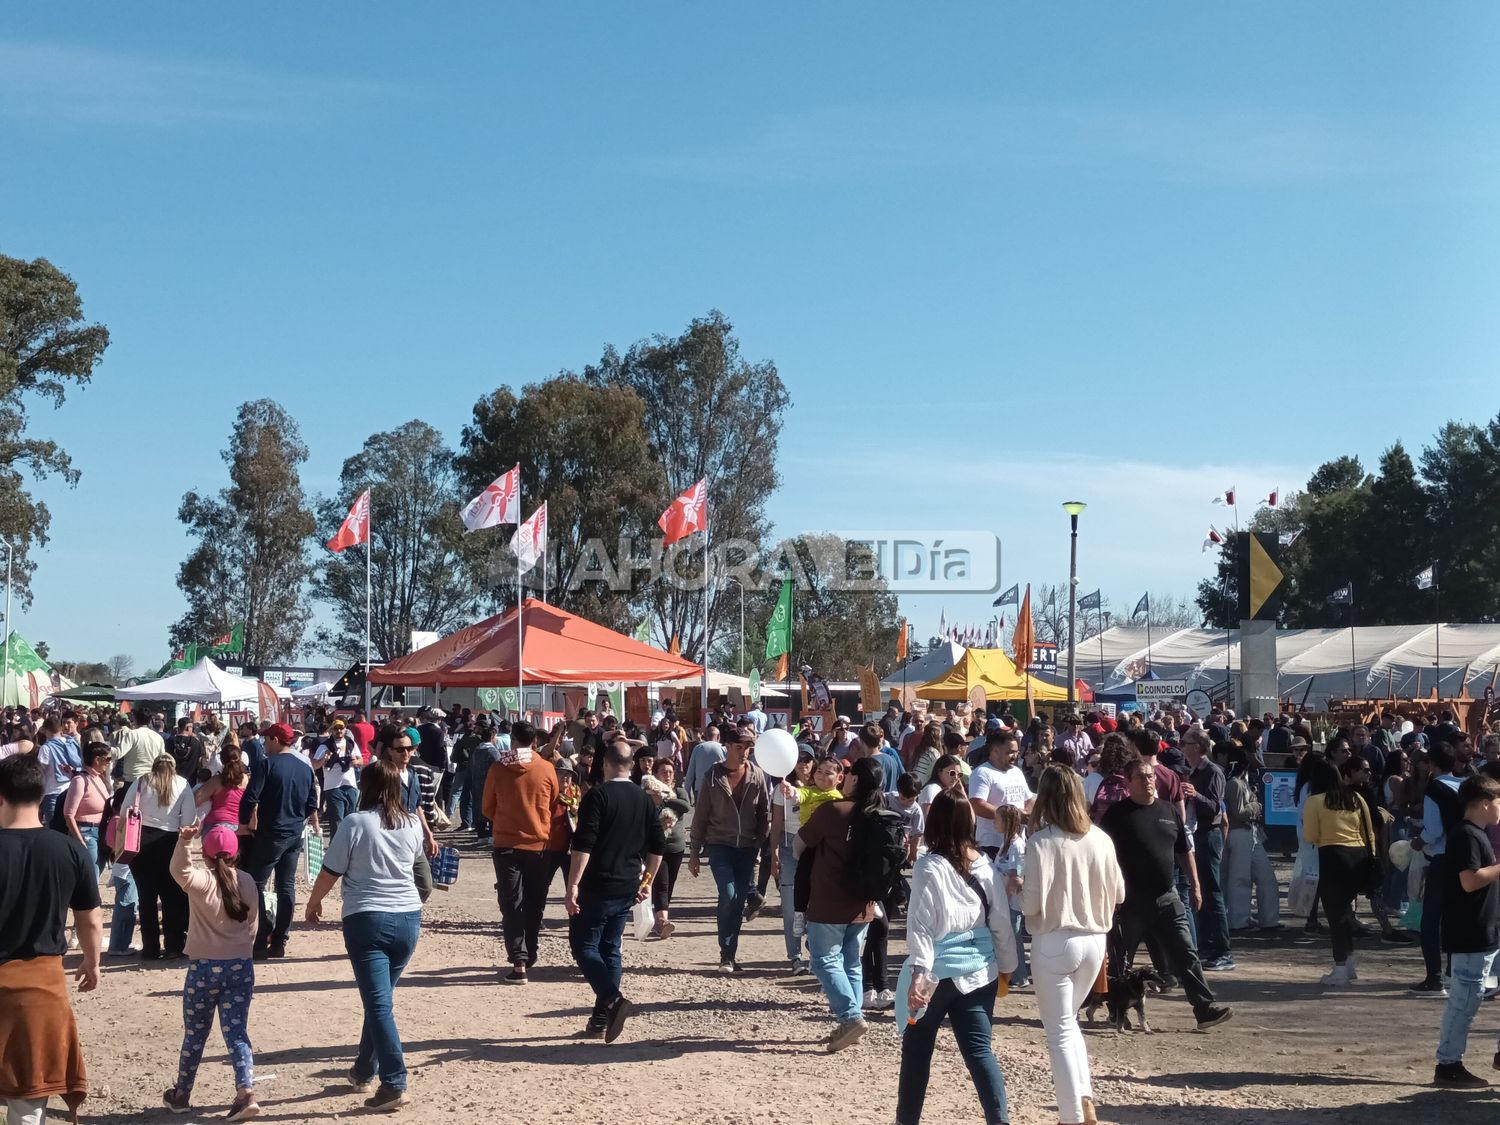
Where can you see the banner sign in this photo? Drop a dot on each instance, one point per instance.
(1281, 797)
(1152, 690)
(1044, 658)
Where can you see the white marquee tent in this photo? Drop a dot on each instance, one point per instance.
(929, 666)
(204, 682)
(1368, 661)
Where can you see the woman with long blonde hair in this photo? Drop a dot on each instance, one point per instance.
(1071, 885)
(162, 816)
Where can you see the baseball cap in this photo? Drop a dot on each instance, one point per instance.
(281, 733)
(992, 723)
(220, 839)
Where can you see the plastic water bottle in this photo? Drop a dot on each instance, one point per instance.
(923, 985)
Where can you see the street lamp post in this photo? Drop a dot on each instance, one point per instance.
(736, 581)
(1073, 508)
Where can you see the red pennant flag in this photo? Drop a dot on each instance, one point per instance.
(688, 513)
(356, 526)
(1271, 499)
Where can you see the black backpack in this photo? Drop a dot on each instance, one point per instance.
(877, 852)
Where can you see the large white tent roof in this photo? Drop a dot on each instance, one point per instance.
(1369, 661)
(204, 682)
(929, 666)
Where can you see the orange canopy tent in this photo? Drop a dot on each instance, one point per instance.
(558, 648)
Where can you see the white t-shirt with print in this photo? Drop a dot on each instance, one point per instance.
(998, 787)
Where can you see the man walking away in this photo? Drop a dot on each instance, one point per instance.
(521, 797)
(1441, 811)
(42, 876)
(1204, 794)
(1471, 924)
(277, 806)
(1149, 837)
(618, 831)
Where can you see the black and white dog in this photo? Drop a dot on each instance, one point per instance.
(1125, 993)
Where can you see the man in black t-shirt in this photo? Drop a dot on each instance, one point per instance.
(186, 749)
(617, 831)
(1151, 842)
(42, 876)
(1471, 923)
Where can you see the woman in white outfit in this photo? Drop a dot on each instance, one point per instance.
(1071, 885)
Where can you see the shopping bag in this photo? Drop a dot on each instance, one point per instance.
(1302, 894)
(644, 919)
(312, 848)
(445, 868)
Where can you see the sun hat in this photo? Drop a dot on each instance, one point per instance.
(220, 839)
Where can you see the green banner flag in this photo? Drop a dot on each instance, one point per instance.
(754, 688)
(779, 629)
(643, 634)
(232, 641)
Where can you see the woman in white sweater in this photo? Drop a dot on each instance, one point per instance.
(164, 811)
(960, 942)
(1071, 885)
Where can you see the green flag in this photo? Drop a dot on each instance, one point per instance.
(232, 641)
(643, 634)
(754, 688)
(779, 629)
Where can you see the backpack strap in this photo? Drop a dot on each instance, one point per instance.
(984, 901)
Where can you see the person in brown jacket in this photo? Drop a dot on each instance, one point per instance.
(732, 820)
(522, 802)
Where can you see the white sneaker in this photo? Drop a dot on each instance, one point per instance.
(885, 999)
(869, 1004)
(1340, 976)
(799, 924)
(1353, 964)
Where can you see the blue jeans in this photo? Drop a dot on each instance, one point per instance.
(464, 797)
(122, 917)
(788, 886)
(835, 962)
(594, 935)
(1465, 988)
(970, 1016)
(1022, 975)
(1185, 893)
(734, 872)
(90, 834)
(49, 806)
(1213, 919)
(224, 987)
(380, 945)
(339, 803)
(277, 855)
(1395, 877)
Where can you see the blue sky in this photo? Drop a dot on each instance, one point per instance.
(1003, 255)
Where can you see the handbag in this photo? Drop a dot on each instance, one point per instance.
(122, 834)
(1371, 877)
(445, 868)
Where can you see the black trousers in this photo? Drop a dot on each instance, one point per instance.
(1339, 870)
(154, 884)
(1432, 917)
(877, 941)
(666, 880)
(524, 878)
(1164, 919)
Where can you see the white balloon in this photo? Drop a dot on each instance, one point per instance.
(776, 752)
(1407, 727)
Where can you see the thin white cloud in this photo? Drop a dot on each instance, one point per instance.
(1152, 141)
(67, 84)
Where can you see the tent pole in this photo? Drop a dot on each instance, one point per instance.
(1437, 628)
(520, 639)
(1353, 679)
(367, 620)
(707, 559)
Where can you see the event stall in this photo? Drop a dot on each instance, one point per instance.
(993, 670)
(27, 678)
(204, 682)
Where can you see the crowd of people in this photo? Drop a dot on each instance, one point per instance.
(1018, 856)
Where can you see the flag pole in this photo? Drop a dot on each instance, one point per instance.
(367, 609)
(1099, 613)
(1353, 679)
(520, 638)
(707, 558)
(1437, 626)
(1148, 623)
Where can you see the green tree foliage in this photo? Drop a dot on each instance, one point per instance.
(250, 562)
(45, 345)
(837, 626)
(582, 448)
(711, 414)
(425, 572)
(1379, 530)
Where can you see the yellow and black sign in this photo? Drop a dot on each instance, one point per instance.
(1261, 578)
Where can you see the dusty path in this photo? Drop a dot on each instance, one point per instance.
(709, 1049)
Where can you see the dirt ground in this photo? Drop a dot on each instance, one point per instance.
(706, 1048)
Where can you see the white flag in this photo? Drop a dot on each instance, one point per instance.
(530, 540)
(1424, 580)
(497, 504)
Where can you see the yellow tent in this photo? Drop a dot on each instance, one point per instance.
(991, 669)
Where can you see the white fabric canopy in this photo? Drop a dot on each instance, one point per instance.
(1370, 661)
(204, 682)
(721, 682)
(929, 666)
(313, 691)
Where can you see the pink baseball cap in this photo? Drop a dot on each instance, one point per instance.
(220, 839)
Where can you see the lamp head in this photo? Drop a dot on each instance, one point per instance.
(1074, 508)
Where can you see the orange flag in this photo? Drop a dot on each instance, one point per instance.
(781, 670)
(901, 641)
(675, 648)
(1024, 637)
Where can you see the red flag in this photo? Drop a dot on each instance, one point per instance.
(688, 513)
(530, 540)
(1213, 538)
(498, 503)
(356, 526)
(1271, 499)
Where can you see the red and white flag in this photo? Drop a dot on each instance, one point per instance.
(497, 504)
(356, 526)
(1271, 499)
(1227, 498)
(1213, 538)
(688, 513)
(530, 540)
